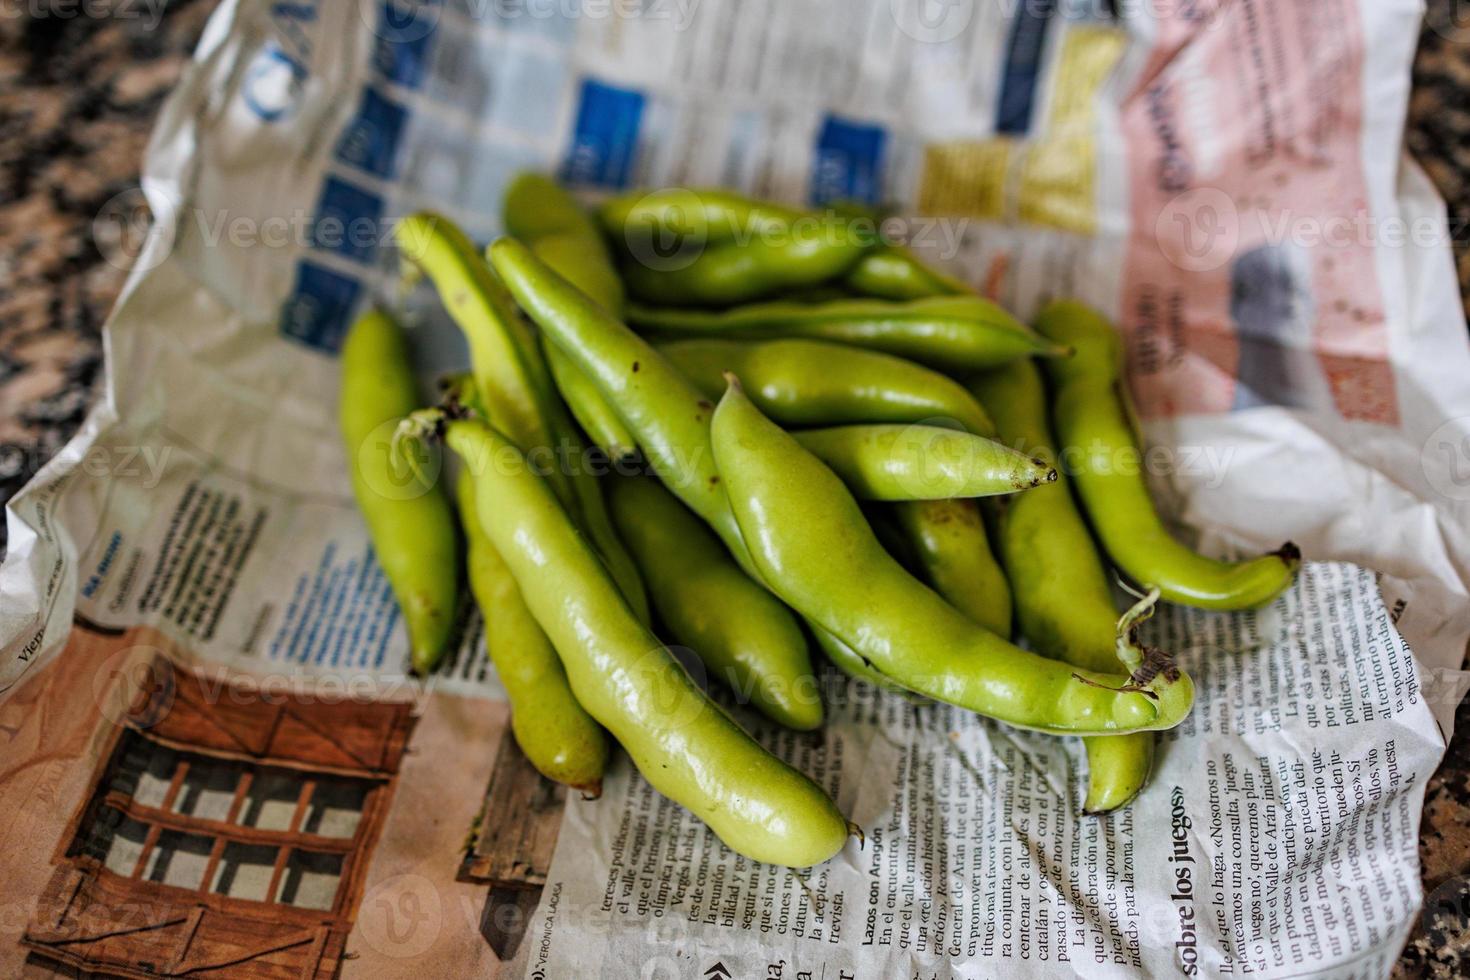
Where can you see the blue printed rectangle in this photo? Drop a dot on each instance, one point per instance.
(403, 35)
(348, 221)
(320, 306)
(1021, 72)
(848, 165)
(605, 138)
(371, 139)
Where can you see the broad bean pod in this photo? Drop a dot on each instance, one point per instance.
(409, 518)
(512, 379)
(810, 252)
(1063, 599)
(952, 333)
(817, 383)
(921, 462)
(553, 730)
(668, 416)
(696, 215)
(796, 515)
(742, 633)
(566, 238)
(682, 743)
(1097, 436)
(952, 552)
(894, 273)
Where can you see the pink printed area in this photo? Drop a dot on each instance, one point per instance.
(1249, 278)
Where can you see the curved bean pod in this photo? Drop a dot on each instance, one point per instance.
(739, 272)
(666, 413)
(681, 742)
(952, 550)
(895, 273)
(921, 462)
(812, 382)
(512, 380)
(556, 734)
(708, 215)
(409, 519)
(796, 514)
(566, 238)
(951, 333)
(1095, 433)
(743, 634)
(1063, 600)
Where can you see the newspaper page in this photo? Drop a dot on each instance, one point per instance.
(1225, 180)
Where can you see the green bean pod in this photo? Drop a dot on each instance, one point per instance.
(512, 379)
(851, 663)
(682, 743)
(951, 333)
(740, 272)
(797, 515)
(895, 273)
(816, 383)
(409, 518)
(1100, 447)
(566, 238)
(952, 549)
(741, 632)
(704, 215)
(921, 462)
(666, 413)
(1063, 600)
(556, 734)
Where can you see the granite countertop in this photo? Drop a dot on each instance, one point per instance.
(77, 101)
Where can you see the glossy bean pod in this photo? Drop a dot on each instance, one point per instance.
(512, 380)
(553, 730)
(817, 383)
(726, 273)
(699, 215)
(952, 551)
(1062, 596)
(951, 333)
(567, 238)
(743, 634)
(667, 414)
(682, 743)
(922, 462)
(895, 273)
(409, 518)
(1100, 447)
(796, 515)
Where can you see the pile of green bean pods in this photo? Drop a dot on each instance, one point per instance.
(795, 436)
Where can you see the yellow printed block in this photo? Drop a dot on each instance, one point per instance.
(966, 178)
(1057, 184)
(1088, 56)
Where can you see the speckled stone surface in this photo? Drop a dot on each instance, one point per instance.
(77, 100)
